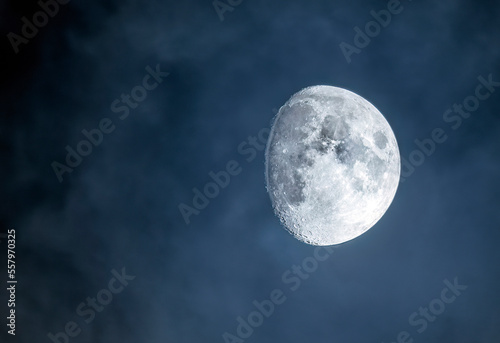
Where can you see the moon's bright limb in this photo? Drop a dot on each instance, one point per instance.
(332, 165)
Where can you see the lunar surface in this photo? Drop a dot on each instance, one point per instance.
(332, 165)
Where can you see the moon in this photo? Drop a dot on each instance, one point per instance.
(332, 165)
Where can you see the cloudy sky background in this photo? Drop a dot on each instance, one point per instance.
(119, 208)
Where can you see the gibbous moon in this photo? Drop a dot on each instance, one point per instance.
(332, 165)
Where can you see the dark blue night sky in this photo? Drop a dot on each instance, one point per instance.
(114, 113)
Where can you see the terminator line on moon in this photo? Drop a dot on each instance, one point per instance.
(332, 165)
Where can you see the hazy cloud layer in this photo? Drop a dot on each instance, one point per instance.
(119, 207)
